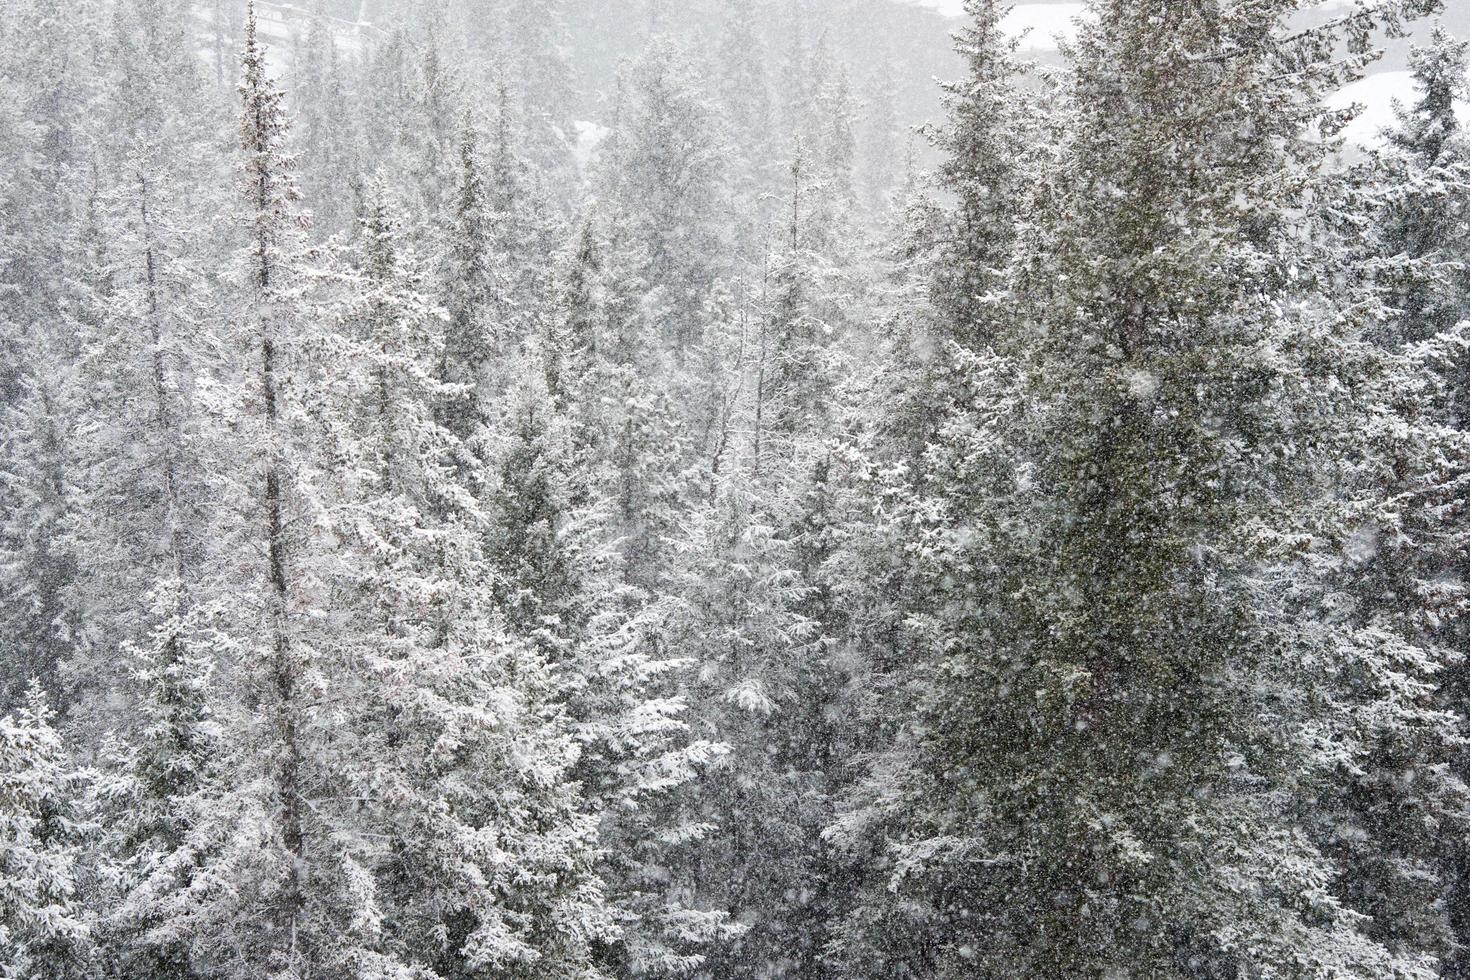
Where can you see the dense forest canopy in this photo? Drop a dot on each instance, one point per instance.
(573, 490)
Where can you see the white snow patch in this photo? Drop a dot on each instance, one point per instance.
(1376, 95)
(1143, 385)
(589, 137)
(1042, 23)
(1361, 546)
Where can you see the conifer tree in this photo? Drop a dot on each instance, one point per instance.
(1400, 578)
(326, 133)
(569, 584)
(44, 929)
(1423, 185)
(48, 65)
(280, 887)
(744, 91)
(144, 350)
(1127, 685)
(663, 169)
(38, 562)
(983, 170)
(154, 786)
(739, 618)
(486, 860)
(472, 339)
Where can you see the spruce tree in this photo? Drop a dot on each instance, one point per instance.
(663, 168)
(280, 887)
(1128, 688)
(461, 751)
(44, 928)
(1403, 805)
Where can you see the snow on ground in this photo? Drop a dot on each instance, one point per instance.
(589, 137)
(1042, 23)
(1376, 95)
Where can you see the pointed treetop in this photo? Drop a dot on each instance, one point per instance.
(1440, 77)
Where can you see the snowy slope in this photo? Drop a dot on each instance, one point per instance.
(1042, 24)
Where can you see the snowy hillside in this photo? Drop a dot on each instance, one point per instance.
(1041, 24)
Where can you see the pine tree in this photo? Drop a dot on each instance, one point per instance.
(1423, 182)
(1129, 687)
(143, 351)
(1401, 807)
(880, 156)
(271, 202)
(48, 66)
(739, 617)
(982, 172)
(634, 436)
(831, 198)
(565, 585)
(38, 563)
(487, 857)
(19, 185)
(279, 887)
(745, 96)
(44, 930)
(154, 784)
(325, 127)
(663, 168)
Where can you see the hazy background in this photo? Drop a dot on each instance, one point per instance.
(890, 48)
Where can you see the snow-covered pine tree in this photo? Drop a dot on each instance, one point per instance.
(1129, 691)
(491, 284)
(154, 786)
(143, 673)
(983, 173)
(473, 286)
(277, 666)
(1401, 815)
(44, 927)
(663, 168)
(736, 611)
(20, 183)
(39, 621)
(561, 580)
(49, 67)
(326, 125)
(745, 97)
(279, 887)
(635, 432)
(461, 754)
(525, 228)
(1419, 187)
(807, 299)
(143, 351)
(830, 143)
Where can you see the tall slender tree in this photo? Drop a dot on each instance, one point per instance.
(1129, 686)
